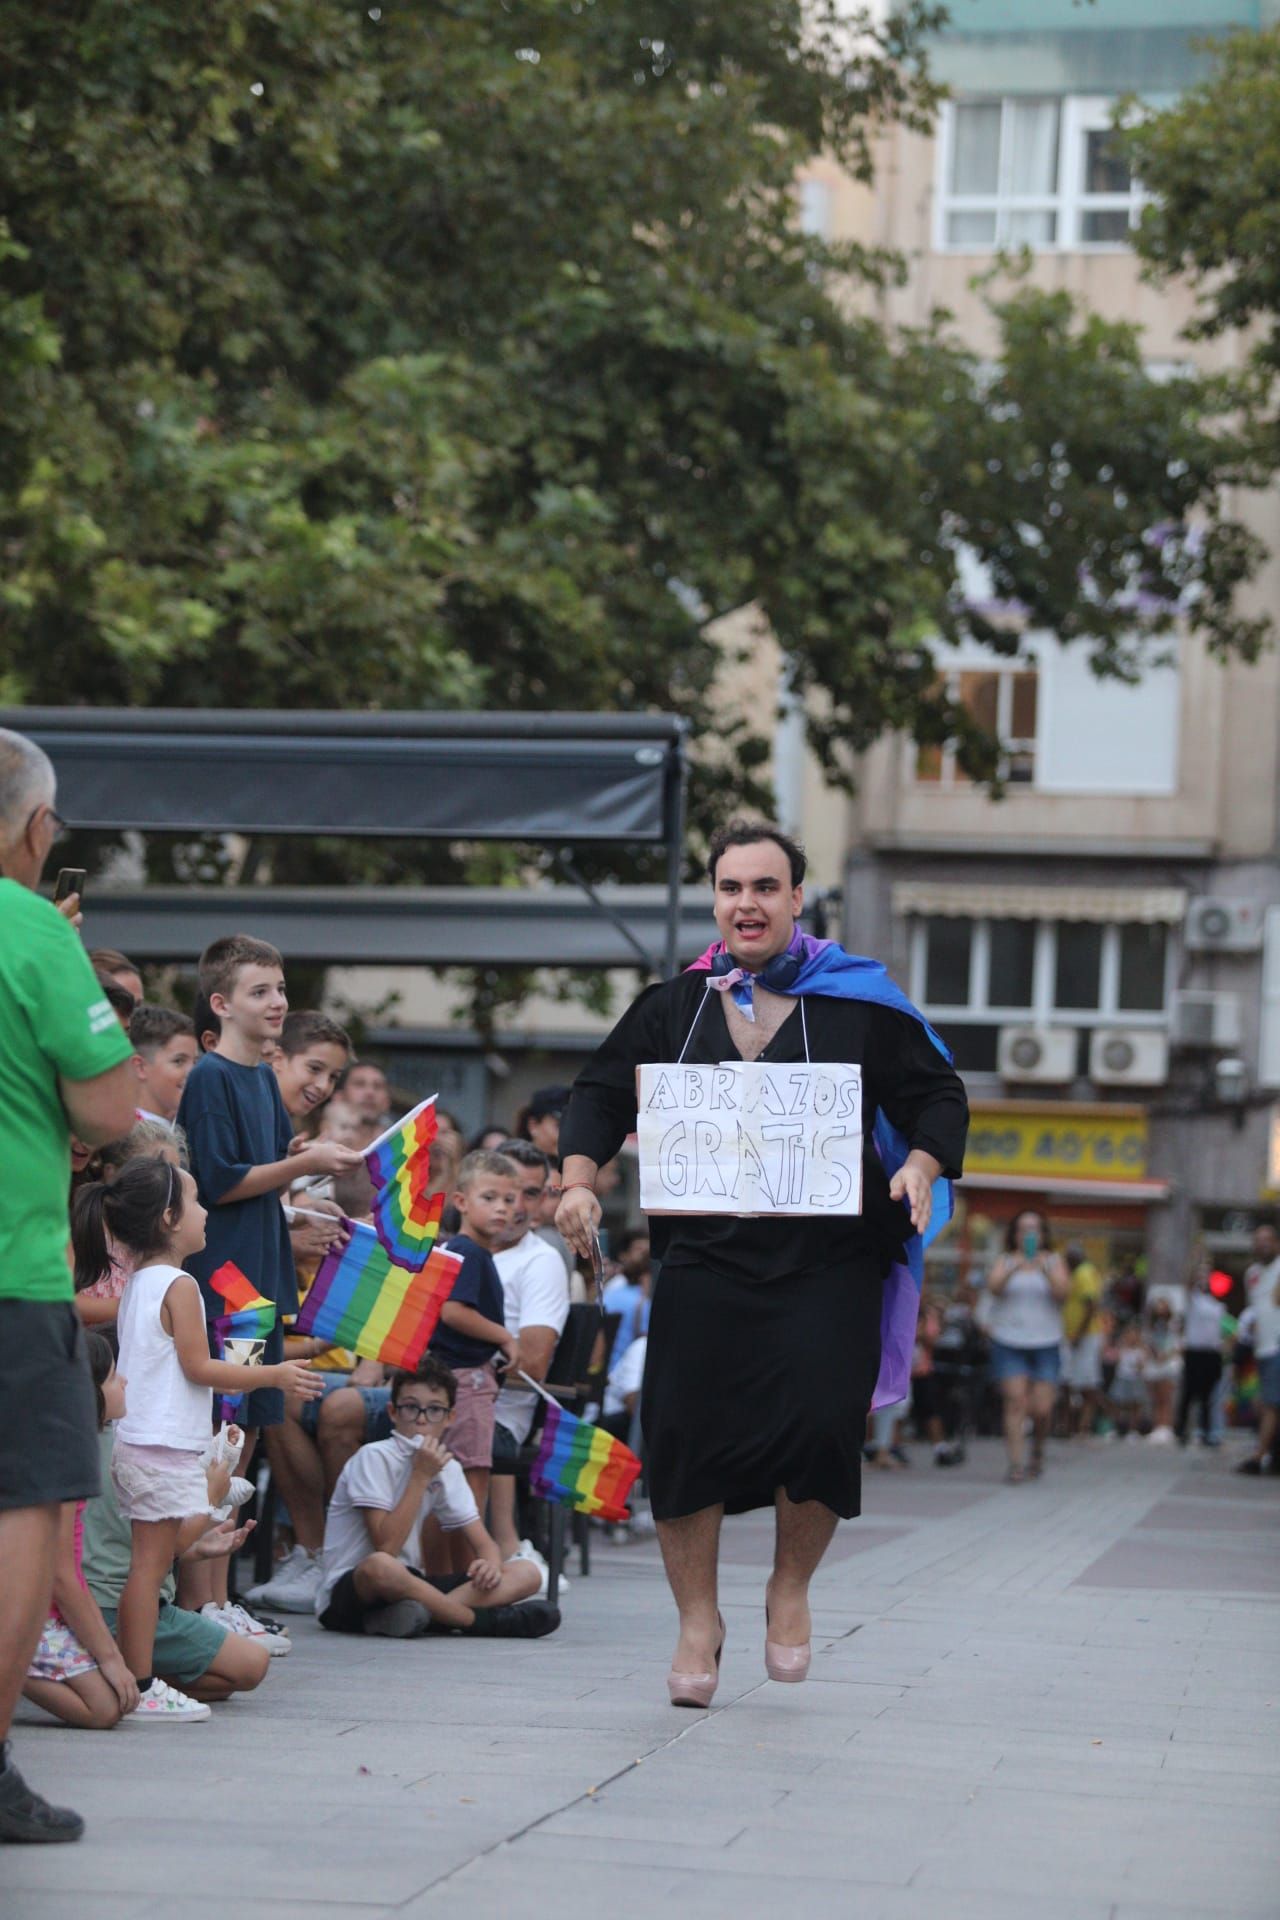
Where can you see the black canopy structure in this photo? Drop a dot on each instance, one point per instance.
(555, 779)
(410, 926)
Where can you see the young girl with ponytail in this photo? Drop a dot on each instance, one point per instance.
(152, 1212)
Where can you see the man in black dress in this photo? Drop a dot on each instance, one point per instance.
(764, 1334)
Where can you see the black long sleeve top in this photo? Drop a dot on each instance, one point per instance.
(903, 1075)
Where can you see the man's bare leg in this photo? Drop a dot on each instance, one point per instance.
(299, 1474)
(1040, 1401)
(217, 1573)
(28, 1543)
(340, 1431)
(690, 1553)
(502, 1514)
(804, 1530)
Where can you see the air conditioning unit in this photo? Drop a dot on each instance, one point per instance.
(1128, 1057)
(1206, 1020)
(1223, 926)
(1045, 1056)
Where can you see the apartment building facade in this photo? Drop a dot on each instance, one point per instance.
(1102, 945)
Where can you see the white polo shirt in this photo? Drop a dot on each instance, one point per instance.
(376, 1477)
(535, 1292)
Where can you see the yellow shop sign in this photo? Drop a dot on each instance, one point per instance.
(1057, 1139)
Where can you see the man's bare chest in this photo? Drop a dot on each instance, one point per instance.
(751, 1037)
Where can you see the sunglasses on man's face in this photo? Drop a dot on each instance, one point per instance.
(416, 1410)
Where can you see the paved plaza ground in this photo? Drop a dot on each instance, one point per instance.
(1058, 1701)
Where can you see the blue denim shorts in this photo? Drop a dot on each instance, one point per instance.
(376, 1400)
(1269, 1380)
(1037, 1363)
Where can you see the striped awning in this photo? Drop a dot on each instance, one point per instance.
(979, 901)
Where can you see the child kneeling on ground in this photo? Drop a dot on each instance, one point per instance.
(385, 1494)
(78, 1673)
(196, 1658)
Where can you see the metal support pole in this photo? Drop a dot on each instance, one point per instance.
(565, 861)
(676, 771)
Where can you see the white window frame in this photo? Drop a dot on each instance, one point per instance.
(1083, 114)
(1010, 744)
(1042, 1012)
(1078, 114)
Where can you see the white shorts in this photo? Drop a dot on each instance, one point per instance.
(1169, 1369)
(1082, 1364)
(158, 1483)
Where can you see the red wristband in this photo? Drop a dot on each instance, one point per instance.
(584, 1184)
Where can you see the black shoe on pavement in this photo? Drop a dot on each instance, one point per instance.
(522, 1620)
(25, 1816)
(1251, 1465)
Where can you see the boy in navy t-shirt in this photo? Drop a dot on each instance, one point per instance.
(471, 1328)
(239, 1136)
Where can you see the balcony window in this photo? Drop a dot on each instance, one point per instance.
(1012, 964)
(988, 973)
(1077, 973)
(1142, 968)
(949, 948)
(1046, 173)
(1003, 701)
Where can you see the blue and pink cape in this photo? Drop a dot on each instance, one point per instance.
(823, 967)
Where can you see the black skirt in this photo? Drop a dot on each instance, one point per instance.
(749, 1388)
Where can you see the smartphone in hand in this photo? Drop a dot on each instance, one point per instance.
(70, 880)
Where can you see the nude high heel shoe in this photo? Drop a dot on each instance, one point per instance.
(790, 1664)
(696, 1689)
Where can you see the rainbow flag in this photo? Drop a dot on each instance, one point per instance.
(405, 1217)
(363, 1300)
(582, 1466)
(246, 1324)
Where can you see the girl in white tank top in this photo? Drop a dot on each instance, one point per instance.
(152, 1211)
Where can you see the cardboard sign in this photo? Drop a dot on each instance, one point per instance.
(748, 1137)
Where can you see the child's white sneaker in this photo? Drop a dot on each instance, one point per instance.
(294, 1584)
(164, 1706)
(527, 1551)
(236, 1620)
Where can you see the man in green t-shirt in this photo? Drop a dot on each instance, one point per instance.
(64, 1063)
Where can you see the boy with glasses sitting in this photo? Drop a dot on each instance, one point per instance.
(385, 1494)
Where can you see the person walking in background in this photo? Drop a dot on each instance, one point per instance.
(1082, 1343)
(1264, 1307)
(1028, 1286)
(1202, 1332)
(1163, 1369)
(65, 1064)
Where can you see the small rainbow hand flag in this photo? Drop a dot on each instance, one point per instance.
(363, 1300)
(582, 1467)
(248, 1321)
(405, 1217)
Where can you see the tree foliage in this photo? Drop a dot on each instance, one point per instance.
(1212, 164)
(471, 353)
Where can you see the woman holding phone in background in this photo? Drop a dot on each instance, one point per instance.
(1027, 1285)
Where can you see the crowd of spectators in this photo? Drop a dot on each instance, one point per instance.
(145, 1148)
(1047, 1345)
